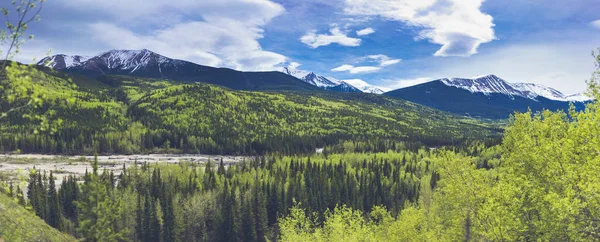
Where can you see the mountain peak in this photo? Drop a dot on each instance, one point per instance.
(62, 61)
(492, 76)
(483, 84)
(131, 59)
(489, 84)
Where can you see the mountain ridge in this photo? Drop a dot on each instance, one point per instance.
(495, 99)
(148, 64)
(488, 84)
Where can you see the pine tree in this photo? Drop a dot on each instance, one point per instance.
(221, 170)
(248, 220)
(260, 211)
(98, 211)
(53, 217)
(139, 220)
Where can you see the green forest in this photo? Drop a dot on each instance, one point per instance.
(540, 183)
(389, 169)
(126, 115)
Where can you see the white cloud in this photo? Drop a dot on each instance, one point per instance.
(458, 25)
(381, 60)
(294, 65)
(384, 60)
(595, 24)
(343, 68)
(402, 83)
(251, 12)
(335, 35)
(356, 69)
(216, 33)
(365, 31)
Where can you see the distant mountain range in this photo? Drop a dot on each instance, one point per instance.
(329, 83)
(145, 63)
(483, 96)
(487, 96)
(489, 84)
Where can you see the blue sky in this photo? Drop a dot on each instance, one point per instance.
(388, 43)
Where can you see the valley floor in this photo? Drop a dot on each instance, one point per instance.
(63, 165)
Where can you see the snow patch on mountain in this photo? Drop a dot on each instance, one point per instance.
(366, 87)
(488, 84)
(132, 59)
(311, 77)
(319, 81)
(540, 90)
(352, 85)
(62, 61)
(579, 97)
(294, 72)
(484, 84)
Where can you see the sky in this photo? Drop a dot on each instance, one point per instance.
(387, 43)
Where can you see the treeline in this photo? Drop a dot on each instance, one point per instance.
(243, 202)
(143, 116)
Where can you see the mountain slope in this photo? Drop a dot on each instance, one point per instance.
(18, 224)
(135, 115)
(487, 100)
(145, 63)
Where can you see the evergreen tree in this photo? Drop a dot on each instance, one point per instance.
(260, 211)
(54, 214)
(98, 211)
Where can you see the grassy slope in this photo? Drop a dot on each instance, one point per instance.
(18, 224)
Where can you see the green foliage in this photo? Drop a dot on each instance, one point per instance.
(144, 115)
(540, 185)
(99, 209)
(18, 224)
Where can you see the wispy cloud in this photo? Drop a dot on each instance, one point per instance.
(365, 31)
(595, 24)
(458, 25)
(356, 69)
(294, 65)
(380, 59)
(335, 36)
(384, 60)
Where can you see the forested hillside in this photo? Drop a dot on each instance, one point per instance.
(539, 184)
(116, 114)
(19, 224)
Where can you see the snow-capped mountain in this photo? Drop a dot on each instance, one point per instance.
(330, 83)
(295, 73)
(489, 84)
(366, 87)
(487, 96)
(121, 60)
(320, 81)
(311, 78)
(484, 84)
(327, 83)
(343, 87)
(147, 64)
(579, 97)
(60, 62)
